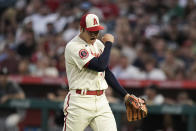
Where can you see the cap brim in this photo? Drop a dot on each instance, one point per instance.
(96, 28)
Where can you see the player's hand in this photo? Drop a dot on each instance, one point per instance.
(133, 98)
(108, 37)
(126, 96)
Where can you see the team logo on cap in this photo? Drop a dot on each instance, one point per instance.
(95, 22)
(83, 53)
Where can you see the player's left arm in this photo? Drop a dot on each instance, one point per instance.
(113, 82)
(135, 107)
(100, 64)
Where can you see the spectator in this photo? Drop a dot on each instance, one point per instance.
(184, 99)
(186, 54)
(190, 6)
(23, 67)
(142, 55)
(9, 90)
(180, 74)
(21, 31)
(63, 17)
(173, 35)
(122, 29)
(27, 47)
(71, 31)
(41, 18)
(50, 30)
(180, 122)
(8, 42)
(114, 57)
(20, 6)
(58, 96)
(128, 48)
(124, 70)
(8, 21)
(45, 68)
(8, 57)
(33, 7)
(153, 73)
(159, 50)
(171, 64)
(152, 96)
(177, 122)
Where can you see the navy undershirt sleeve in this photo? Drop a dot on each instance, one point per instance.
(100, 63)
(113, 82)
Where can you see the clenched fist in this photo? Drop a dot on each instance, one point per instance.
(108, 37)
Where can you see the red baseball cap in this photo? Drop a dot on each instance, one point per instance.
(90, 22)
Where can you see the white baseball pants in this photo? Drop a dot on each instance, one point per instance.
(83, 110)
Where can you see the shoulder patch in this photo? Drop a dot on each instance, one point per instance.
(83, 53)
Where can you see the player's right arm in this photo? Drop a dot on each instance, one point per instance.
(100, 63)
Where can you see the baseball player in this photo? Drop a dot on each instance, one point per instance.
(88, 77)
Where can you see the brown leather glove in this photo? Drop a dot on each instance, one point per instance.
(135, 107)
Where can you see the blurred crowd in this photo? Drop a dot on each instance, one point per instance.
(153, 39)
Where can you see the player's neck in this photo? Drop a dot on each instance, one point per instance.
(84, 39)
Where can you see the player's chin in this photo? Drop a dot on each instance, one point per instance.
(92, 41)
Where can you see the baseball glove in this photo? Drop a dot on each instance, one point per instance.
(135, 107)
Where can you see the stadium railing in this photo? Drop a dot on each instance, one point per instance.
(187, 84)
(46, 105)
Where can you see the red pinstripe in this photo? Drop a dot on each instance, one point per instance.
(66, 111)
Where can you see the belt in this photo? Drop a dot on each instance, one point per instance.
(97, 92)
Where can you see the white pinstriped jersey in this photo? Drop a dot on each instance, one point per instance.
(77, 54)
